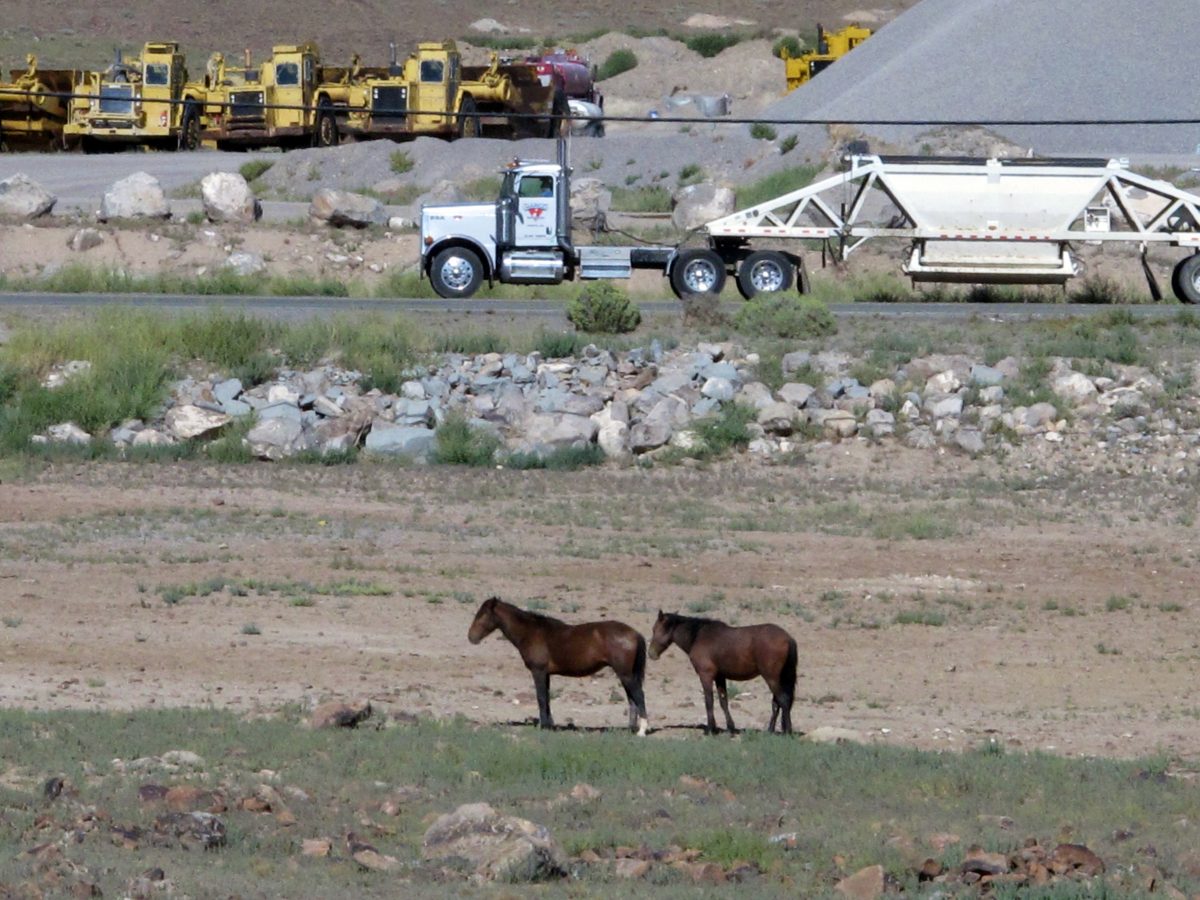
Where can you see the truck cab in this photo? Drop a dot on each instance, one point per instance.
(522, 238)
(280, 106)
(433, 73)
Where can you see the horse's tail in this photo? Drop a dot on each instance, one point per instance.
(787, 677)
(639, 660)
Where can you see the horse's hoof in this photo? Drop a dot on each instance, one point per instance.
(643, 724)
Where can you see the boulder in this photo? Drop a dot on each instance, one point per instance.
(244, 263)
(276, 438)
(558, 430)
(778, 418)
(340, 208)
(796, 394)
(23, 198)
(589, 198)
(865, 884)
(498, 848)
(227, 198)
(85, 239)
(400, 440)
(67, 433)
(189, 421)
(340, 715)
(696, 204)
(1074, 387)
(139, 196)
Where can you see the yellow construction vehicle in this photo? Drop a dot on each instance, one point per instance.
(34, 107)
(287, 102)
(146, 101)
(831, 46)
(433, 93)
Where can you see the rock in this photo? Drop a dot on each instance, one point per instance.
(778, 418)
(316, 847)
(796, 394)
(985, 376)
(943, 383)
(631, 868)
(400, 440)
(152, 437)
(880, 422)
(865, 884)
(696, 204)
(980, 861)
(1040, 415)
(612, 433)
(340, 715)
(499, 848)
(589, 198)
(340, 208)
(1074, 387)
(1075, 858)
(367, 856)
(720, 389)
(67, 433)
(245, 263)
(205, 828)
(190, 421)
(138, 196)
(23, 198)
(276, 437)
(85, 239)
(941, 407)
(227, 198)
(969, 440)
(61, 374)
(554, 431)
(831, 734)
(835, 422)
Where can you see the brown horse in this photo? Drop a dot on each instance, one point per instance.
(550, 647)
(719, 651)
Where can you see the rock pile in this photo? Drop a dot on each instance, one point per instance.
(646, 402)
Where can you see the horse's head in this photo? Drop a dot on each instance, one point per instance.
(661, 639)
(485, 622)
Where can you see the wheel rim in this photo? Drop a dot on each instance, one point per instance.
(326, 131)
(1196, 280)
(457, 272)
(766, 277)
(700, 276)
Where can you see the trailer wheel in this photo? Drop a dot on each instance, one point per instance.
(326, 134)
(765, 272)
(189, 130)
(697, 272)
(1185, 280)
(456, 273)
(468, 119)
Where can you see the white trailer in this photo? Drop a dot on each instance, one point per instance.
(978, 221)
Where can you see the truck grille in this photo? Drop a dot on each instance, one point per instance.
(389, 102)
(246, 105)
(116, 99)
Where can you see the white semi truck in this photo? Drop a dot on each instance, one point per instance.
(974, 221)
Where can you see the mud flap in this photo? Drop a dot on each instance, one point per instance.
(1151, 281)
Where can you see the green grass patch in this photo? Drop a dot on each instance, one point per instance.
(746, 791)
(560, 459)
(400, 162)
(711, 43)
(460, 443)
(775, 184)
(645, 199)
(255, 169)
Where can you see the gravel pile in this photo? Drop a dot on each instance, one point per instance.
(1028, 59)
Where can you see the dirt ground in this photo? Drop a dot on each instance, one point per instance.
(1067, 617)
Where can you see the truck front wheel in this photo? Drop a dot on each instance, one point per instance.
(697, 272)
(456, 273)
(1186, 279)
(765, 272)
(326, 134)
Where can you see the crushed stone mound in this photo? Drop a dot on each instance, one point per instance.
(1023, 59)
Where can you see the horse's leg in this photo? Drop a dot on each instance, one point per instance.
(638, 721)
(723, 694)
(706, 683)
(774, 713)
(785, 704)
(541, 683)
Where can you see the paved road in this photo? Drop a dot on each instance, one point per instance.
(299, 308)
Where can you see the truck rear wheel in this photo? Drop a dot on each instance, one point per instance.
(697, 272)
(189, 130)
(559, 123)
(456, 273)
(1185, 280)
(468, 119)
(765, 272)
(326, 134)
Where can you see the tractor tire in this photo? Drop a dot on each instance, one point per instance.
(326, 132)
(765, 272)
(559, 123)
(468, 119)
(189, 129)
(697, 272)
(456, 273)
(1185, 280)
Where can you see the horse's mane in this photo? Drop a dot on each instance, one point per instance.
(528, 614)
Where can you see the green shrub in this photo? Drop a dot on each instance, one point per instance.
(790, 43)
(563, 459)
(617, 62)
(774, 185)
(459, 443)
(603, 308)
(785, 316)
(557, 344)
(727, 430)
(255, 169)
(788, 144)
(401, 162)
(711, 43)
(761, 131)
(642, 199)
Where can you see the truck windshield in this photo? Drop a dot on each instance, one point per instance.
(158, 73)
(431, 71)
(287, 74)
